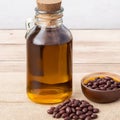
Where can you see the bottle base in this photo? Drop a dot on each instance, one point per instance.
(51, 97)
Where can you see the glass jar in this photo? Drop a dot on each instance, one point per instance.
(49, 58)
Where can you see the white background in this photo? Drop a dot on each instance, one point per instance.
(79, 14)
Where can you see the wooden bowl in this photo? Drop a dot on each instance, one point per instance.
(100, 96)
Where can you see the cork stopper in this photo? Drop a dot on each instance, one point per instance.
(49, 5)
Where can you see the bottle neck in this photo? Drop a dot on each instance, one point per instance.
(49, 20)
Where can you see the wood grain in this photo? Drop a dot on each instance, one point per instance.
(90, 46)
(20, 66)
(83, 53)
(18, 36)
(94, 51)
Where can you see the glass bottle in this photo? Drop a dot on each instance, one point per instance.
(49, 58)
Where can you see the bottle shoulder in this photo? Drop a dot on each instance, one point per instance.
(49, 36)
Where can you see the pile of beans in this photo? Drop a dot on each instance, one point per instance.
(74, 109)
(105, 83)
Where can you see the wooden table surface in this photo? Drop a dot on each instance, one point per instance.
(94, 51)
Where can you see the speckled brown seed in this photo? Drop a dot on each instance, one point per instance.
(94, 116)
(74, 110)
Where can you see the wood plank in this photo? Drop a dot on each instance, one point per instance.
(90, 46)
(18, 36)
(14, 89)
(12, 52)
(97, 57)
(82, 52)
(20, 66)
(12, 82)
(96, 35)
(12, 66)
(15, 83)
(12, 37)
(96, 46)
